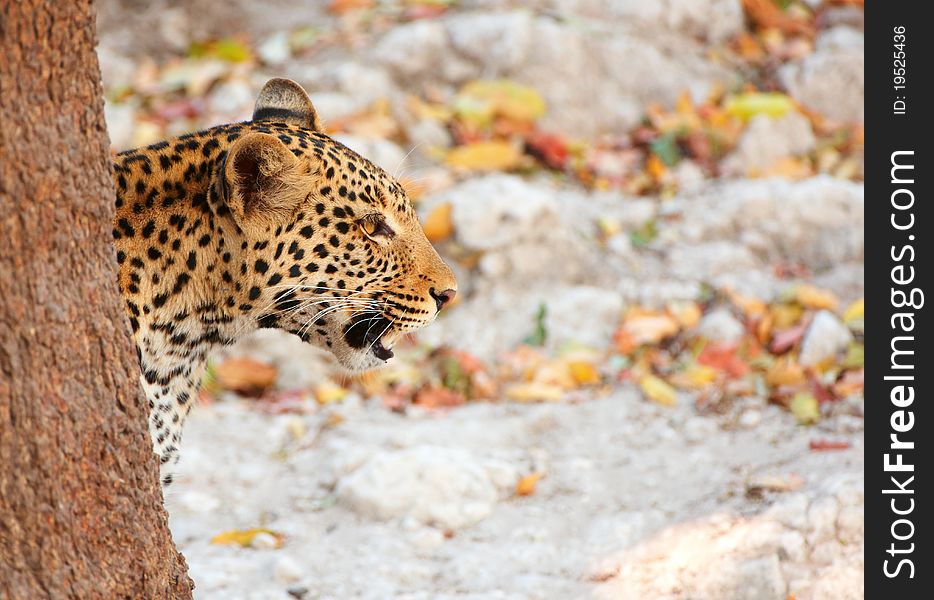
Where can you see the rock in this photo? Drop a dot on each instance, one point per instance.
(121, 119)
(826, 337)
(335, 105)
(817, 222)
(767, 140)
(720, 326)
(582, 314)
(365, 83)
(275, 50)
(713, 20)
(412, 50)
(381, 152)
(287, 570)
(497, 41)
(755, 579)
(233, 99)
(445, 487)
(499, 210)
(830, 80)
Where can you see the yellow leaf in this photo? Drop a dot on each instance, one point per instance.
(816, 298)
(534, 392)
(329, 393)
(526, 485)
(695, 377)
(479, 102)
(785, 372)
(583, 372)
(854, 312)
(655, 167)
(687, 313)
(245, 375)
(657, 390)
(649, 327)
(438, 225)
(805, 408)
(751, 307)
(246, 537)
(785, 315)
(484, 156)
(747, 105)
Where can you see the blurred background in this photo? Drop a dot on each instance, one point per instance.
(651, 383)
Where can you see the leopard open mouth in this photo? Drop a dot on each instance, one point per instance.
(366, 332)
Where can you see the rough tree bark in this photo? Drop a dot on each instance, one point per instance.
(81, 512)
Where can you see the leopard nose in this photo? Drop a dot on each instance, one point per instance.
(442, 298)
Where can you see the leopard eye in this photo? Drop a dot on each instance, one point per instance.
(375, 226)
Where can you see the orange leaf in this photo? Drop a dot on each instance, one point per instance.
(485, 156)
(438, 225)
(245, 376)
(438, 397)
(723, 357)
(824, 445)
(526, 485)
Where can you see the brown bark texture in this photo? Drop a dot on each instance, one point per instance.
(81, 512)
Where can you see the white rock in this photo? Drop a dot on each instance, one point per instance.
(767, 140)
(336, 105)
(275, 50)
(198, 502)
(830, 79)
(583, 315)
(817, 222)
(445, 487)
(382, 152)
(234, 99)
(497, 41)
(365, 83)
(756, 579)
(412, 49)
(826, 337)
(287, 570)
(265, 540)
(120, 119)
(498, 210)
(720, 326)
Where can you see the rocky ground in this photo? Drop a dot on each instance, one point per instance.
(651, 386)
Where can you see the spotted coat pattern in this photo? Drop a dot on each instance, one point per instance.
(266, 223)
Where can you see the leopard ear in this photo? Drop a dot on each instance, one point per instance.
(261, 180)
(284, 100)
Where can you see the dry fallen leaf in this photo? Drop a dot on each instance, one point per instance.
(485, 156)
(526, 485)
(805, 408)
(649, 327)
(245, 538)
(825, 445)
(438, 225)
(583, 372)
(695, 377)
(785, 371)
(816, 298)
(534, 392)
(747, 105)
(657, 390)
(245, 376)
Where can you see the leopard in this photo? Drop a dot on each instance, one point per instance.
(266, 223)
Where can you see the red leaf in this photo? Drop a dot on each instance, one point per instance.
(723, 357)
(785, 340)
(825, 445)
(549, 148)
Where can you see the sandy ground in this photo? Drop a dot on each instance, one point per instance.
(621, 475)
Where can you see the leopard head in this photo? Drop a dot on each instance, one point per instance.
(329, 245)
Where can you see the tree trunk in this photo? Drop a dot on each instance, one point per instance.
(81, 512)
